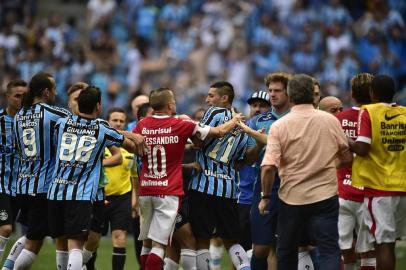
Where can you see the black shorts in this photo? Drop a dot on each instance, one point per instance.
(37, 220)
(213, 216)
(20, 208)
(244, 211)
(183, 213)
(69, 218)
(117, 213)
(9, 207)
(97, 217)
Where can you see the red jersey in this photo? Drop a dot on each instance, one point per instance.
(349, 121)
(166, 136)
(365, 135)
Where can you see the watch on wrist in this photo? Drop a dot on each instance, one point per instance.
(263, 196)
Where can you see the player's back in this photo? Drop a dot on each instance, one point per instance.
(34, 127)
(217, 157)
(8, 162)
(80, 145)
(166, 136)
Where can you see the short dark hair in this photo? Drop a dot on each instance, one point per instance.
(383, 88)
(224, 88)
(116, 109)
(15, 83)
(143, 110)
(38, 83)
(301, 89)
(159, 98)
(88, 99)
(360, 88)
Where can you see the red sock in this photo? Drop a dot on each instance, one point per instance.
(367, 268)
(143, 259)
(154, 262)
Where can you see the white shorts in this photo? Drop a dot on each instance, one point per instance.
(349, 220)
(386, 218)
(157, 217)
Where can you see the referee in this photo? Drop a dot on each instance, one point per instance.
(118, 194)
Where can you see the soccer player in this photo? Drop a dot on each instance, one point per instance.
(135, 105)
(80, 141)
(8, 170)
(215, 186)
(351, 198)
(34, 126)
(161, 181)
(379, 167)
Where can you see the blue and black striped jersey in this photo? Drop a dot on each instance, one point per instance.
(80, 146)
(217, 157)
(34, 127)
(8, 156)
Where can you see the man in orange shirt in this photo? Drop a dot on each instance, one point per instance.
(308, 189)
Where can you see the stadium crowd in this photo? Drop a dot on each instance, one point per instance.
(304, 181)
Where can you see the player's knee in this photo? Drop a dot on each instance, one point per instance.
(261, 251)
(6, 230)
(118, 238)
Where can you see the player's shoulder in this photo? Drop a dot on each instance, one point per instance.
(55, 109)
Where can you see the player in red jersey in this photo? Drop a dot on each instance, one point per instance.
(161, 183)
(351, 198)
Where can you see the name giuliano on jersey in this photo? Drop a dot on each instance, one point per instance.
(80, 143)
(34, 127)
(8, 156)
(218, 156)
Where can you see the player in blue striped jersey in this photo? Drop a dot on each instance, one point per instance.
(80, 141)
(215, 186)
(9, 204)
(34, 126)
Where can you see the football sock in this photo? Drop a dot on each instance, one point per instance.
(119, 256)
(25, 260)
(239, 257)
(203, 259)
(170, 264)
(188, 259)
(304, 261)
(14, 253)
(62, 259)
(87, 254)
(75, 259)
(155, 259)
(144, 256)
(349, 266)
(368, 264)
(216, 253)
(259, 263)
(3, 243)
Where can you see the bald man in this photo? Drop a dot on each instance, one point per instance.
(331, 105)
(135, 105)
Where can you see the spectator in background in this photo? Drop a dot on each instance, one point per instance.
(135, 105)
(99, 11)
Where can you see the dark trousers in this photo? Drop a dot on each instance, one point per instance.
(319, 222)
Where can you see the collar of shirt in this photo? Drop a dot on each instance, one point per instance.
(302, 108)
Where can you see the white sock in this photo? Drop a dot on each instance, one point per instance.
(14, 253)
(75, 259)
(203, 259)
(304, 261)
(158, 251)
(170, 264)
(216, 253)
(350, 266)
(368, 262)
(3, 243)
(188, 259)
(239, 257)
(25, 260)
(87, 254)
(62, 259)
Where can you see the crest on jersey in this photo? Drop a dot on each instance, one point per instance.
(3, 215)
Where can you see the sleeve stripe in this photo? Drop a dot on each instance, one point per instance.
(364, 139)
